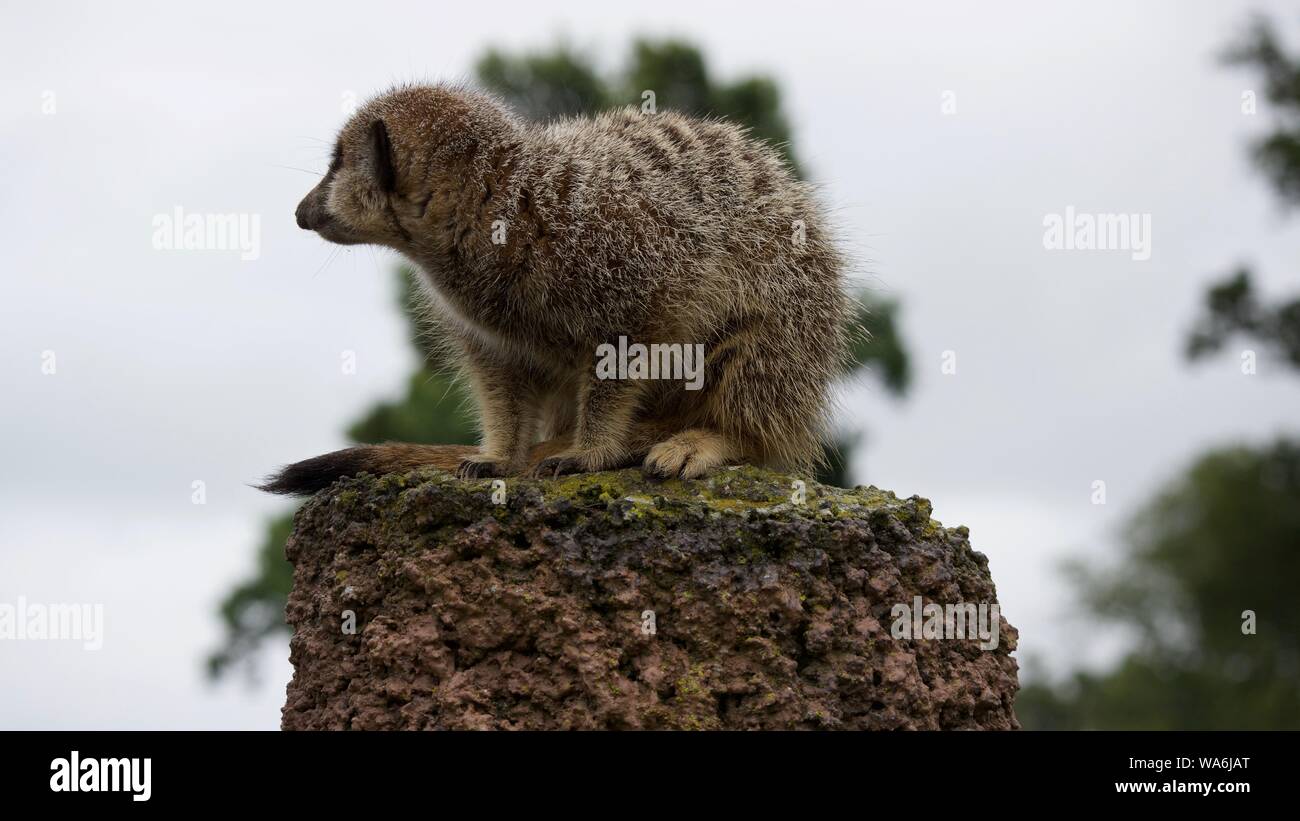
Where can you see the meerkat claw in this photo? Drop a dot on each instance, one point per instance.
(553, 466)
(476, 469)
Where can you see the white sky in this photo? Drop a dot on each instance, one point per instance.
(181, 366)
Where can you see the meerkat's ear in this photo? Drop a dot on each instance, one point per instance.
(381, 151)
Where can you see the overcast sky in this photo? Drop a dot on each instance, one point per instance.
(179, 366)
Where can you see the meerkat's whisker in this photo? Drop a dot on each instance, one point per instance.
(303, 170)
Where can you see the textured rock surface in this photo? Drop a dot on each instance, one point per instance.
(532, 614)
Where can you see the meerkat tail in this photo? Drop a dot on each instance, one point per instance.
(310, 475)
(319, 472)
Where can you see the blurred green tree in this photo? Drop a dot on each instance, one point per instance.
(1217, 546)
(1214, 547)
(556, 83)
(1277, 154)
(1232, 306)
(543, 85)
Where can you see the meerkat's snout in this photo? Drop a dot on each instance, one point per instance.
(313, 214)
(303, 216)
(311, 211)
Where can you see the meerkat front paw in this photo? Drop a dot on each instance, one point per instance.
(480, 468)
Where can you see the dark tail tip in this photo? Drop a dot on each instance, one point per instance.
(317, 473)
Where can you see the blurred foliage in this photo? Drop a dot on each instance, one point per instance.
(559, 83)
(1277, 154)
(255, 608)
(1220, 540)
(880, 348)
(556, 83)
(544, 85)
(1232, 308)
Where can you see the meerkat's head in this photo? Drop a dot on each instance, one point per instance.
(396, 156)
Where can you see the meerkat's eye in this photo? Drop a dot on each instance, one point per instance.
(336, 161)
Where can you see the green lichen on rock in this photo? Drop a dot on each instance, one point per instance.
(742, 600)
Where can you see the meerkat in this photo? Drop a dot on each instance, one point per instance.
(540, 243)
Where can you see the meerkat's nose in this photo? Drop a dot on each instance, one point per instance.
(302, 215)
